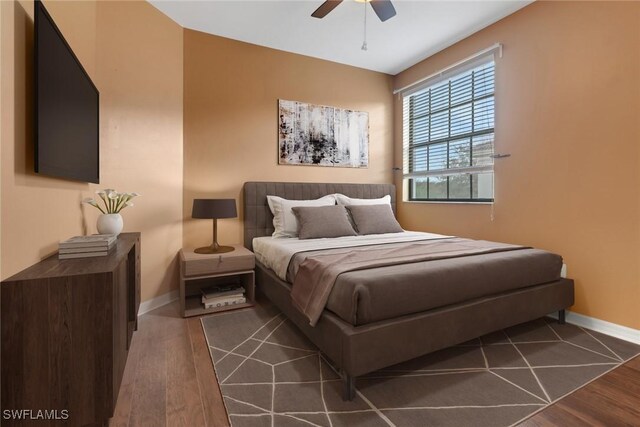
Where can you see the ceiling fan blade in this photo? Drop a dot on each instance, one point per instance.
(384, 9)
(325, 8)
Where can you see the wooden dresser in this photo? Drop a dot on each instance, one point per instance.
(66, 331)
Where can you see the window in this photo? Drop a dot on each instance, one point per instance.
(448, 136)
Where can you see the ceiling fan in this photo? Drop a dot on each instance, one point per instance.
(383, 8)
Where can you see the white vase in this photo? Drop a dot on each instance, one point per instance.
(110, 224)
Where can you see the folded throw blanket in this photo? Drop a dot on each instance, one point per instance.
(318, 273)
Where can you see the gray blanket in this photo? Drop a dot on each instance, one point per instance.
(317, 272)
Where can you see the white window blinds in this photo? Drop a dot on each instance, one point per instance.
(448, 132)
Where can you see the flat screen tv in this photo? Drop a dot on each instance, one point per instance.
(66, 107)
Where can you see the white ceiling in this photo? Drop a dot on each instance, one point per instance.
(420, 29)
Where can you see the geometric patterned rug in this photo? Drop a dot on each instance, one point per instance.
(271, 375)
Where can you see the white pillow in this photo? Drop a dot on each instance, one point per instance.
(284, 221)
(348, 201)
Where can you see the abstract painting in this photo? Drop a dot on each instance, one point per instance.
(322, 136)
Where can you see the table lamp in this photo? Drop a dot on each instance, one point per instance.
(214, 209)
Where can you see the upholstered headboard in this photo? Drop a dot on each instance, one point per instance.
(258, 220)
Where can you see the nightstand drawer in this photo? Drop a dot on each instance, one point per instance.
(219, 265)
(240, 259)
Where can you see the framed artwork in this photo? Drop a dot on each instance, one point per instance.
(318, 135)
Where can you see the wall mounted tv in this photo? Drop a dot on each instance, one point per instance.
(67, 140)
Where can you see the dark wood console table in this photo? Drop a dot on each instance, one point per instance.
(66, 331)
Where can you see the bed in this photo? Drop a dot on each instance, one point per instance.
(378, 317)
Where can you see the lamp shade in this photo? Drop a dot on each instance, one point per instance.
(214, 208)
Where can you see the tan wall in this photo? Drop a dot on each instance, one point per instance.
(36, 211)
(568, 112)
(231, 94)
(138, 70)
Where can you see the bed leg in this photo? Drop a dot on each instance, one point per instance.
(349, 392)
(561, 317)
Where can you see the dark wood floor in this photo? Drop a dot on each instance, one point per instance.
(169, 378)
(611, 400)
(169, 381)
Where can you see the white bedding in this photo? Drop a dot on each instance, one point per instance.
(275, 252)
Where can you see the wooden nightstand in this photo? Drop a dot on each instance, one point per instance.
(199, 270)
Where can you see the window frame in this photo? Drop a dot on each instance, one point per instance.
(407, 153)
(447, 200)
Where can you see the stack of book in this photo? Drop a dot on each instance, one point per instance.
(223, 295)
(86, 246)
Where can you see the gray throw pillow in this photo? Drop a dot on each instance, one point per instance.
(315, 222)
(374, 219)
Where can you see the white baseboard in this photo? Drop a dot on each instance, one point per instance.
(602, 326)
(157, 302)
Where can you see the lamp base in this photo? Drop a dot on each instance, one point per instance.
(214, 249)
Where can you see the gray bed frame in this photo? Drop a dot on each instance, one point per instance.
(358, 350)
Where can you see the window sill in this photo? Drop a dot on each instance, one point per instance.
(446, 202)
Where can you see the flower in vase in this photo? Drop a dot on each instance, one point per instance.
(113, 201)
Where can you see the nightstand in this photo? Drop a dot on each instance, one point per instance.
(198, 271)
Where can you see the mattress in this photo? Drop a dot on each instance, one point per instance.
(371, 295)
